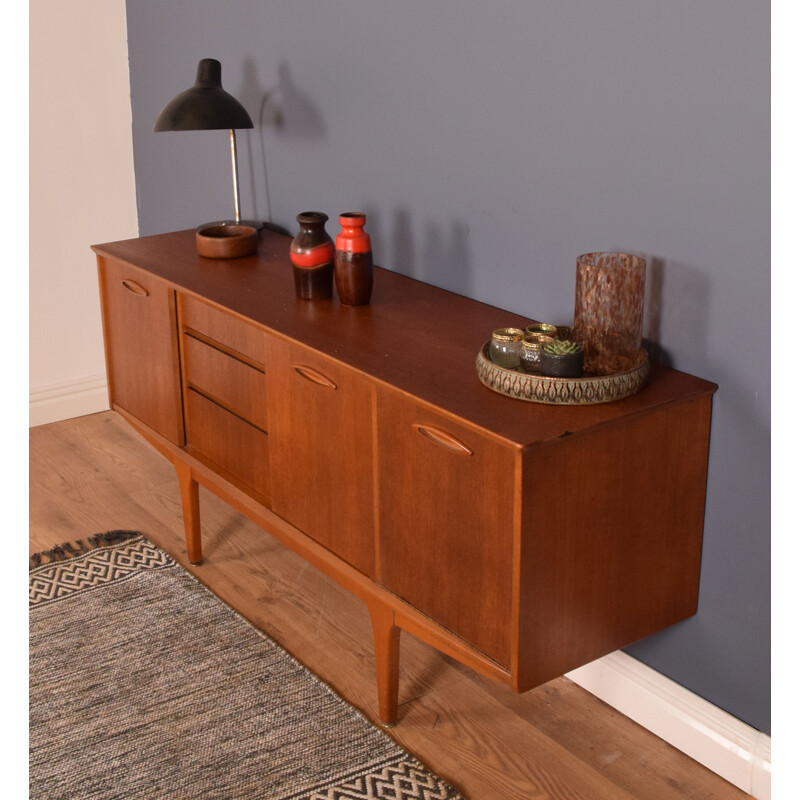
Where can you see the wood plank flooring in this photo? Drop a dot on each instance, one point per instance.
(556, 742)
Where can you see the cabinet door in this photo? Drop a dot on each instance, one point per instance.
(446, 500)
(141, 338)
(321, 460)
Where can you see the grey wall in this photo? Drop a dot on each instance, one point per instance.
(492, 143)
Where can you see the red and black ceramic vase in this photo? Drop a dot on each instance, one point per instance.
(353, 260)
(311, 254)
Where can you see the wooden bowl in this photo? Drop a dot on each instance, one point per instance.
(227, 241)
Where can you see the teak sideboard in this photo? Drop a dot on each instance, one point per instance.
(523, 540)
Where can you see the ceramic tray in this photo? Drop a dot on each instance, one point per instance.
(561, 391)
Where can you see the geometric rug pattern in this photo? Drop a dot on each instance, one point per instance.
(146, 686)
(60, 579)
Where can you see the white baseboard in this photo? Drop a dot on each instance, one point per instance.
(66, 400)
(706, 733)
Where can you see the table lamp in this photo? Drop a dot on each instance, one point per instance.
(205, 107)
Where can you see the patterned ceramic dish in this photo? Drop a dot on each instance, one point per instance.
(561, 391)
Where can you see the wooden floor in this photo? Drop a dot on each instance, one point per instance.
(93, 474)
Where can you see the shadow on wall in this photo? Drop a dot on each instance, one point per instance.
(284, 108)
(439, 256)
(654, 288)
(288, 109)
(678, 295)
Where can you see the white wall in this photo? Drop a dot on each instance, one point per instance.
(82, 192)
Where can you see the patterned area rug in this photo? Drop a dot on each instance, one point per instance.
(145, 685)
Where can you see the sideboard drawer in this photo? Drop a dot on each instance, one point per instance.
(222, 327)
(229, 441)
(228, 381)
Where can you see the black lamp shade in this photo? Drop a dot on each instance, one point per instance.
(204, 107)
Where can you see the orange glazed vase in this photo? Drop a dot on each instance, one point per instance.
(353, 260)
(311, 254)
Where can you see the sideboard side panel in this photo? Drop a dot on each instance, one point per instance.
(612, 538)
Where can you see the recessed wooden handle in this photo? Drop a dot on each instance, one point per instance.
(315, 377)
(443, 439)
(135, 288)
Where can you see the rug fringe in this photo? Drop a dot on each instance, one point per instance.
(67, 550)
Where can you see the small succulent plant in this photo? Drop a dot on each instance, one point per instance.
(561, 347)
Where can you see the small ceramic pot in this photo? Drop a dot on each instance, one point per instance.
(532, 353)
(505, 349)
(543, 328)
(561, 365)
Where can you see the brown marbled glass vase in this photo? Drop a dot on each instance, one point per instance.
(609, 306)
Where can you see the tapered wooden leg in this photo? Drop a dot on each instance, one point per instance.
(387, 662)
(190, 500)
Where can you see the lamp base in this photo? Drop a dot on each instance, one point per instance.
(249, 222)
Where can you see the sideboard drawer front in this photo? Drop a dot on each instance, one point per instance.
(229, 441)
(226, 380)
(446, 499)
(222, 327)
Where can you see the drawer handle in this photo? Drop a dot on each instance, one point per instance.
(443, 439)
(135, 288)
(315, 377)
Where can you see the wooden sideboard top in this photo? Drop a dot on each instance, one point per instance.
(413, 336)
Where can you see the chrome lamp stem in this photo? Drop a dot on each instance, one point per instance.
(234, 168)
